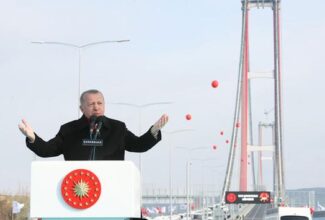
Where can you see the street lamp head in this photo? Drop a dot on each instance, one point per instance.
(79, 46)
(55, 42)
(140, 105)
(37, 42)
(192, 148)
(121, 41)
(179, 131)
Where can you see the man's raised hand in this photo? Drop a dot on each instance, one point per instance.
(27, 130)
(159, 124)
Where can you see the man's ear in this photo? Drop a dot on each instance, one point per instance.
(81, 109)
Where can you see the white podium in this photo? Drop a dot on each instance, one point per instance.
(85, 190)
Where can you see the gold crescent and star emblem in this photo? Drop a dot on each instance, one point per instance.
(80, 189)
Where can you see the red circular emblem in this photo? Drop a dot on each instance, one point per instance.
(231, 197)
(264, 197)
(80, 188)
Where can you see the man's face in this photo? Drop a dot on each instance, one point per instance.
(93, 104)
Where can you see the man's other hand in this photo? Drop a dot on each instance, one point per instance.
(27, 130)
(159, 125)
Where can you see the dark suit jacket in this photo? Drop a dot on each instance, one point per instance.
(116, 139)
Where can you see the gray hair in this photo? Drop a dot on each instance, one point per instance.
(90, 91)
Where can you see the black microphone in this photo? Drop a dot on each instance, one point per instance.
(99, 119)
(95, 124)
(99, 124)
(92, 123)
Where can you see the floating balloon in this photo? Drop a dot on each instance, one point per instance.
(214, 83)
(188, 117)
(227, 141)
(221, 132)
(214, 147)
(237, 125)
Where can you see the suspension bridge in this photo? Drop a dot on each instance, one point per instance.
(213, 204)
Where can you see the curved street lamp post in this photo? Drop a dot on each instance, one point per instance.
(203, 160)
(79, 47)
(170, 168)
(188, 164)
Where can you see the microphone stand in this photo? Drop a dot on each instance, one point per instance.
(93, 150)
(91, 130)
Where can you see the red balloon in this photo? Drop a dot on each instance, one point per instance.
(214, 147)
(237, 125)
(188, 117)
(221, 132)
(215, 84)
(227, 141)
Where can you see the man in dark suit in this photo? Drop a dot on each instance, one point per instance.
(115, 137)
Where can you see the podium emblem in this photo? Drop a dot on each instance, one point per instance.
(80, 189)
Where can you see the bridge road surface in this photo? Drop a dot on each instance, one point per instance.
(257, 213)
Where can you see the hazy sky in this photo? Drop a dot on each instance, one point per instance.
(176, 49)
